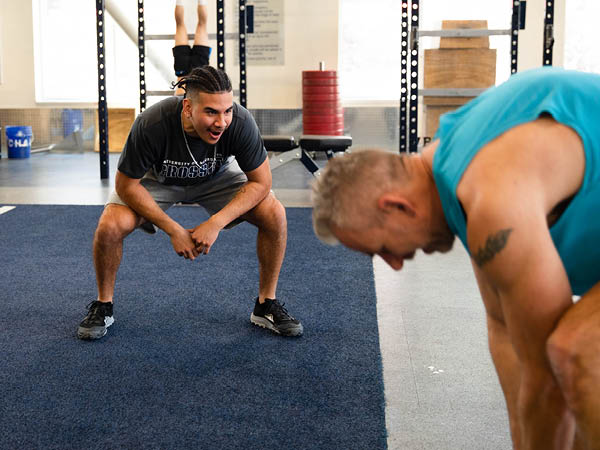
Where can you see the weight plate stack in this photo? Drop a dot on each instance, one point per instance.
(322, 112)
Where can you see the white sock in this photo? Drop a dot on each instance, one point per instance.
(179, 2)
(202, 2)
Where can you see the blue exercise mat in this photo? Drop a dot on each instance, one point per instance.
(182, 366)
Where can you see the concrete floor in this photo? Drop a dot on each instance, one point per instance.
(440, 386)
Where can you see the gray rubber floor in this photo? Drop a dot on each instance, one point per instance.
(441, 388)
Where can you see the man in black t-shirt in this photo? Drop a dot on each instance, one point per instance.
(202, 149)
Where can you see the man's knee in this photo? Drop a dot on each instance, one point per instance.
(115, 223)
(573, 354)
(269, 214)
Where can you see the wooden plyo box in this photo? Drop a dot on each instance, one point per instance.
(120, 121)
(460, 62)
(464, 42)
(459, 68)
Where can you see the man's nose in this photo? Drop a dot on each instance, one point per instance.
(220, 121)
(395, 262)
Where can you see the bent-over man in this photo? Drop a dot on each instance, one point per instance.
(515, 174)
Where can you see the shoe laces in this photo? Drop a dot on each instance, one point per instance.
(278, 310)
(94, 308)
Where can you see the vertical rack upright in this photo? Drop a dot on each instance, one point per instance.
(410, 92)
(102, 104)
(548, 33)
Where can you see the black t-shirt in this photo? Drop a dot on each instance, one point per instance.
(156, 142)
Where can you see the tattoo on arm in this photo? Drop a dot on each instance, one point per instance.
(493, 245)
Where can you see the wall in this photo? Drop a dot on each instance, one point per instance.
(16, 34)
(311, 35)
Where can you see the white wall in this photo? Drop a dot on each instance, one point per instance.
(311, 35)
(16, 35)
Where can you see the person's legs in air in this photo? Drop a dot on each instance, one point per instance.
(201, 34)
(201, 51)
(181, 51)
(574, 353)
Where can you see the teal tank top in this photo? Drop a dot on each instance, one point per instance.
(573, 99)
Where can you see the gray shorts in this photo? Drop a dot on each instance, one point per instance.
(212, 194)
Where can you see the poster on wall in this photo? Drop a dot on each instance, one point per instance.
(265, 44)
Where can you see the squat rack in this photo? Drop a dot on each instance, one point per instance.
(409, 93)
(246, 25)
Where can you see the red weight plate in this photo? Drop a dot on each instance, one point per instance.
(313, 90)
(320, 82)
(311, 98)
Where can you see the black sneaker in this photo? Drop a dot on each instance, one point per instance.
(273, 316)
(98, 319)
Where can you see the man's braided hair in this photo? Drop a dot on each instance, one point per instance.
(204, 79)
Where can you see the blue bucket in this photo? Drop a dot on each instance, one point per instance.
(18, 141)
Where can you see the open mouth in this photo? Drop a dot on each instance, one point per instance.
(215, 134)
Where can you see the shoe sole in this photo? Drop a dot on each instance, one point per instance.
(89, 334)
(265, 323)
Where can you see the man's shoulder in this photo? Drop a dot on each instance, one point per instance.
(242, 114)
(243, 124)
(160, 112)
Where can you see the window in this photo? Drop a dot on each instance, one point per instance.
(66, 65)
(65, 51)
(580, 34)
(370, 41)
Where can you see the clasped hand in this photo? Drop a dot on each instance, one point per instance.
(193, 242)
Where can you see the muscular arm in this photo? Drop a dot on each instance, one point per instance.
(251, 194)
(139, 199)
(503, 354)
(515, 258)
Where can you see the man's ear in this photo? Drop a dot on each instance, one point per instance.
(187, 107)
(391, 202)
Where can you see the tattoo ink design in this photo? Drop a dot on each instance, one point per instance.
(494, 245)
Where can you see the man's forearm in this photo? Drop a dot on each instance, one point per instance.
(545, 421)
(140, 200)
(250, 195)
(508, 370)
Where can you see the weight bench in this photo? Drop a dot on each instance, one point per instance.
(308, 143)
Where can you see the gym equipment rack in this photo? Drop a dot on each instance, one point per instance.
(102, 105)
(409, 85)
(246, 25)
(548, 33)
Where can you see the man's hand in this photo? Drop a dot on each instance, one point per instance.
(204, 236)
(183, 244)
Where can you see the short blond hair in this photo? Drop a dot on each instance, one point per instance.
(346, 192)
